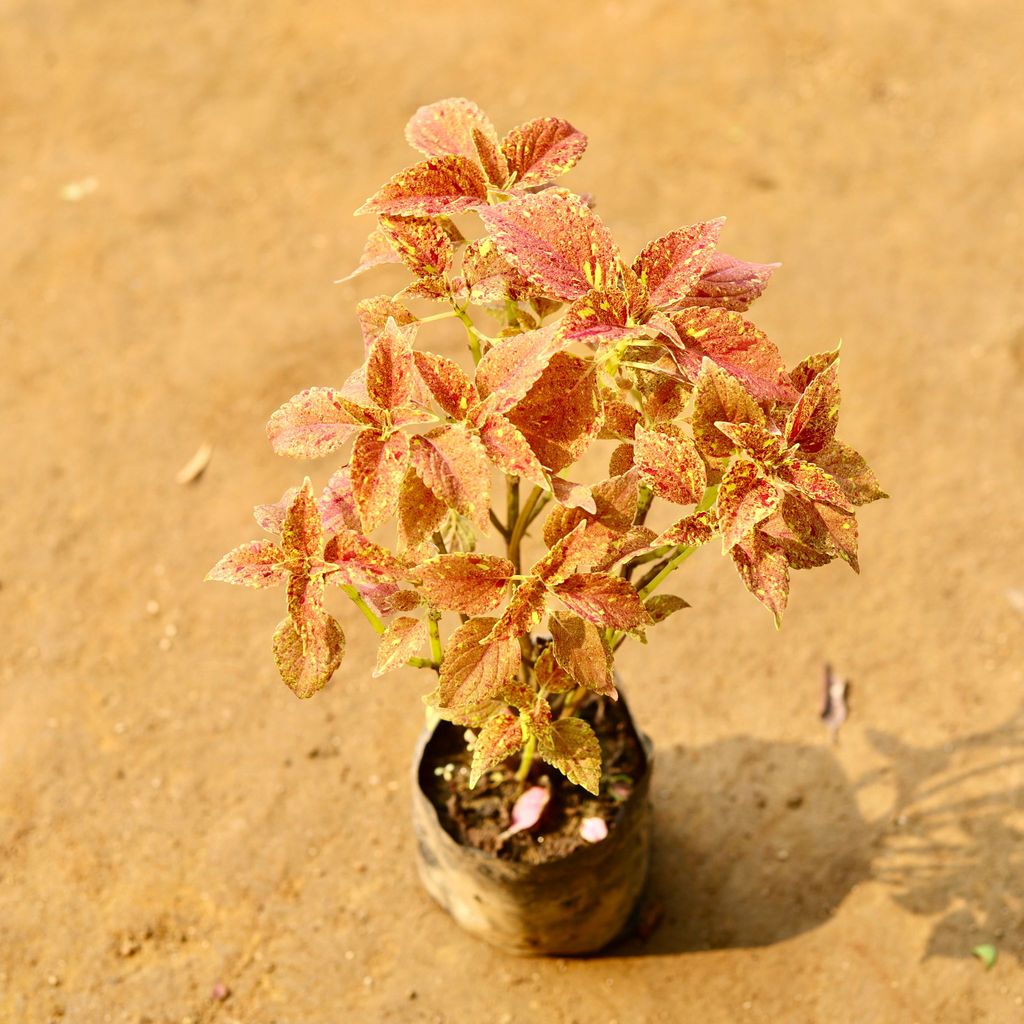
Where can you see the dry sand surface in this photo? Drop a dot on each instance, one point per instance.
(176, 178)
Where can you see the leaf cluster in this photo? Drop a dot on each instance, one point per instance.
(652, 357)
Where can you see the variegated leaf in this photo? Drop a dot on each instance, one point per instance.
(373, 315)
(378, 466)
(357, 561)
(469, 583)
(550, 676)
(314, 423)
(308, 644)
(302, 535)
(378, 250)
(498, 740)
(523, 613)
(596, 317)
(444, 184)
(509, 369)
(745, 498)
(562, 412)
(670, 463)
(736, 345)
(718, 396)
(337, 504)
(420, 513)
(476, 669)
(765, 449)
(812, 480)
(256, 564)
(401, 640)
(850, 471)
(489, 277)
(389, 366)
(581, 650)
(731, 283)
(809, 368)
(447, 127)
(620, 418)
(270, 516)
(691, 531)
(507, 448)
(661, 606)
(542, 150)
(571, 746)
(453, 464)
(671, 266)
(556, 241)
(606, 600)
(421, 243)
(447, 382)
(813, 420)
(765, 573)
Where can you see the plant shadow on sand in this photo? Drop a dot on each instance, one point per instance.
(757, 842)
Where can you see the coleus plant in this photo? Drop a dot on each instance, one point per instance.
(651, 357)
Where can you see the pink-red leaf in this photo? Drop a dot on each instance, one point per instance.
(389, 366)
(373, 316)
(731, 283)
(256, 564)
(671, 266)
(270, 516)
(542, 150)
(562, 412)
(378, 467)
(359, 562)
(813, 481)
(523, 613)
(464, 582)
(670, 463)
(337, 504)
(661, 606)
(444, 184)
(302, 535)
(556, 240)
(453, 464)
(850, 471)
(498, 740)
(762, 567)
(604, 599)
(720, 397)
(314, 423)
(421, 243)
(509, 369)
(447, 127)
(475, 670)
(447, 382)
(582, 651)
(420, 512)
(813, 420)
(507, 448)
(736, 345)
(571, 746)
(308, 644)
(378, 250)
(745, 498)
(691, 531)
(399, 642)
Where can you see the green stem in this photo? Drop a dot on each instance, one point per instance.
(526, 761)
(371, 616)
(511, 502)
(522, 521)
(433, 619)
(472, 334)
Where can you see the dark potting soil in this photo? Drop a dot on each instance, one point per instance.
(478, 817)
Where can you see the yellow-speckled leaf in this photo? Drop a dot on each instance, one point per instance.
(453, 464)
(401, 640)
(670, 463)
(314, 423)
(550, 676)
(464, 582)
(302, 535)
(308, 644)
(373, 315)
(555, 240)
(718, 396)
(542, 150)
(337, 504)
(256, 564)
(571, 746)
(692, 530)
(850, 471)
(421, 243)
(671, 266)
(498, 740)
(447, 126)
(731, 283)
(509, 369)
(813, 420)
(745, 498)
(765, 573)
(447, 382)
(476, 669)
(445, 184)
(389, 366)
(378, 467)
(604, 599)
(356, 560)
(523, 613)
(420, 512)
(581, 650)
(377, 251)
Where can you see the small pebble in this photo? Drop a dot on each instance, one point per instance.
(220, 992)
(152, 607)
(782, 854)
(52, 980)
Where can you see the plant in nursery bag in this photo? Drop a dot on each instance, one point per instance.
(572, 346)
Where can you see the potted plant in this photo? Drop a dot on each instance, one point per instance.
(530, 795)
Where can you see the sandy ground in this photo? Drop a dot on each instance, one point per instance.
(176, 178)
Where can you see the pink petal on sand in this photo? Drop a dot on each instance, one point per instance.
(527, 810)
(593, 830)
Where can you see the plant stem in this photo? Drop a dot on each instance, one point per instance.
(512, 502)
(371, 616)
(526, 761)
(472, 334)
(519, 529)
(435, 636)
(499, 525)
